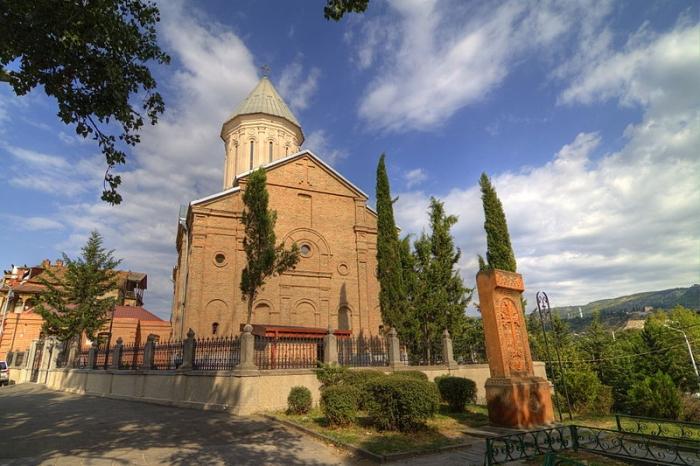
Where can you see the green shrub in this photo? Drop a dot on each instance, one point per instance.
(587, 394)
(401, 403)
(456, 391)
(418, 375)
(339, 404)
(330, 374)
(655, 396)
(299, 400)
(359, 379)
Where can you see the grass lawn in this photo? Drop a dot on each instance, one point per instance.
(444, 429)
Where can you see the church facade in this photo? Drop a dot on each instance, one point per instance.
(333, 285)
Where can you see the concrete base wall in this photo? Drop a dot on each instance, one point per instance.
(223, 391)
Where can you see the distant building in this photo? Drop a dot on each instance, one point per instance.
(334, 284)
(20, 325)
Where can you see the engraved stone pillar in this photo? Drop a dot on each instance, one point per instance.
(117, 354)
(394, 349)
(330, 348)
(515, 397)
(447, 352)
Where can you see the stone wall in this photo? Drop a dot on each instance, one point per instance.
(222, 391)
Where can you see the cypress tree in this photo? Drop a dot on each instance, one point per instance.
(264, 258)
(389, 269)
(499, 252)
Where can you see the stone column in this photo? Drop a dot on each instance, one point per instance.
(92, 356)
(330, 348)
(188, 352)
(246, 366)
(56, 353)
(149, 352)
(515, 397)
(117, 354)
(447, 352)
(73, 350)
(394, 349)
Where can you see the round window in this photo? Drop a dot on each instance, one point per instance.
(305, 250)
(220, 259)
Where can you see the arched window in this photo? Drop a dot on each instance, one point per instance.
(270, 151)
(252, 150)
(214, 328)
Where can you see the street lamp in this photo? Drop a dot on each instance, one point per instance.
(690, 351)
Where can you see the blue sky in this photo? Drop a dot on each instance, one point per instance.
(586, 115)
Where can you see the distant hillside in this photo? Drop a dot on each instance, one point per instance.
(665, 299)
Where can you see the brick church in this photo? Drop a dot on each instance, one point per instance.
(334, 283)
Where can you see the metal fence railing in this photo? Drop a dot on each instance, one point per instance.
(81, 359)
(167, 355)
(363, 351)
(288, 352)
(217, 354)
(132, 356)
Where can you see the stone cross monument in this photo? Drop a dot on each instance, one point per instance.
(514, 395)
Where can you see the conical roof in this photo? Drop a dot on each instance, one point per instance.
(265, 99)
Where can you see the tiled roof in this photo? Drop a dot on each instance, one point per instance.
(265, 99)
(134, 312)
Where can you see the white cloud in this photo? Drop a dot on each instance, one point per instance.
(298, 87)
(586, 226)
(31, 223)
(415, 177)
(440, 57)
(318, 143)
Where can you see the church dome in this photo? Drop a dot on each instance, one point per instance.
(265, 99)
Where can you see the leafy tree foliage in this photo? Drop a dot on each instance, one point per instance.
(655, 396)
(91, 56)
(499, 252)
(335, 9)
(79, 297)
(392, 293)
(265, 258)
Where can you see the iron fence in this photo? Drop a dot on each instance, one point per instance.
(658, 427)
(167, 355)
(19, 358)
(9, 358)
(363, 351)
(288, 352)
(131, 357)
(81, 359)
(217, 354)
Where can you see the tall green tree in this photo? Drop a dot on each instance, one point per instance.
(499, 252)
(80, 297)
(92, 57)
(440, 298)
(265, 258)
(392, 293)
(336, 9)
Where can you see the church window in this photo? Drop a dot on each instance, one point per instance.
(219, 258)
(305, 250)
(270, 151)
(214, 328)
(252, 149)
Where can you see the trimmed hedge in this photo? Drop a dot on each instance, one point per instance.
(359, 379)
(299, 400)
(339, 404)
(330, 374)
(456, 391)
(418, 375)
(401, 403)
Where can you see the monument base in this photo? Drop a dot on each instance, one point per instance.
(520, 402)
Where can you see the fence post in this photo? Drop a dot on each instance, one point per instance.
(394, 349)
(149, 352)
(188, 352)
(447, 352)
(117, 354)
(330, 348)
(73, 350)
(247, 366)
(92, 356)
(574, 437)
(55, 354)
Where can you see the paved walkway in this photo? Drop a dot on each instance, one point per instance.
(41, 426)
